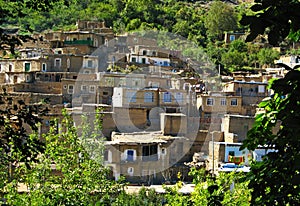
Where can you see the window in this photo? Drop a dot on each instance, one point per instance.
(143, 60)
(233, 102)
(148, 97)
(144, 52)
(149, 153)
(223, 102)
(167, 97)
(105, 93)
(44, 67)
(231, 37)
(90, 63)
(209, 101)
(136, 82)
(92, 89)
(70, 89)
(83, 88)
(130, 171)
(130, 155)
(27, 67)
(179, 97)
(261, 88)
(27, 78)
(57, 62)
(68, 63)
(131, 96)
(10, 67)
(133, 59)
(107, 156)
(154, 84)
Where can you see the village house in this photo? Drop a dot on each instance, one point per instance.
(87, 38)
(145, 157)
(231, 36)
(252, 93)
(214, 105)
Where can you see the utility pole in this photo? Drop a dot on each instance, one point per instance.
(213, 154)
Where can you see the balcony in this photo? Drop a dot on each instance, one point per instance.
(79, 42)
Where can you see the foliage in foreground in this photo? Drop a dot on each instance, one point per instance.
(276, 180)
(65, 173)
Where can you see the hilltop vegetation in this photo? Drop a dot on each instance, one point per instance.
(202, 22)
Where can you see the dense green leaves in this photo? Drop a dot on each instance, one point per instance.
(221, 17)
(278, 18)
(69, 171)
(275, 180)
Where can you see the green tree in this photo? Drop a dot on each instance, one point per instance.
(17, 146)
(234, 60)
(236, 56)
(225, 189)
(276, 180)
(278, 19)
(267, 56)
(220, 17)
(10, 12)
(69, 172)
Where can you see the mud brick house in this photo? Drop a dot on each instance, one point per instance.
(145, 157)
(214, 105)
(251, 92)
(87, 38)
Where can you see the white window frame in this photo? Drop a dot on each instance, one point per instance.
(90, 63)
(70, 91)
(234, 100)
(133, 59)
(44, 67)
(126, 154)
(210, 101)
(84, 88)
(92, 89)
(223, 102)
(59, 62)
(130, 171)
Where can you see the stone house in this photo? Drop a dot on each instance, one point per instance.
(145, 158)
(231, 36)
(87, 38)
(235, 127)
(214, 105)
(252, 93)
